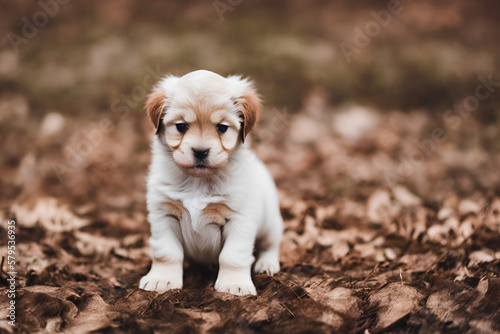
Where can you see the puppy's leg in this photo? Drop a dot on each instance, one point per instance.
(235, 259)
(269, 259)
(166, 271)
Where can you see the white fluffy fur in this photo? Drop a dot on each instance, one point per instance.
(239, 180)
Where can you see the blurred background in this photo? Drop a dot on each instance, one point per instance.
(382, 115)
(64, 67)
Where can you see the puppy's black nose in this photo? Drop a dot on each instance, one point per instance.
(200, 154)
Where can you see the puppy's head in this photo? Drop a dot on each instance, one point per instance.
(203, 117)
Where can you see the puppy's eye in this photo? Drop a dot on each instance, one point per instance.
(182, 127)
(221, 128)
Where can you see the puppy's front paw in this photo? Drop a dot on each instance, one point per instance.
(268, 263)
(235, 288)
(160, 281)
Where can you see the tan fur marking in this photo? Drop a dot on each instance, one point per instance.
(218, 213)
(174, 147)
(222, 144)
(154, 107)
(174, 208)
(202, 109)
(204, 126)
(251, 109)
(160, 261)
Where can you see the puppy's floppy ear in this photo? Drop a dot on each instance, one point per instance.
(155, 105)
(250, 108)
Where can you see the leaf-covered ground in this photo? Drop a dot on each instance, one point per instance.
(376, 258)
(392, 208)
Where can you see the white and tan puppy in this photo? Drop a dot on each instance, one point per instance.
(209, 197)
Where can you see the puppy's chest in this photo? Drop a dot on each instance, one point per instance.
(202, 220)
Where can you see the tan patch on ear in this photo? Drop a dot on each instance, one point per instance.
(251, 105)
(154, 107)
(174, 208)
(217, 213)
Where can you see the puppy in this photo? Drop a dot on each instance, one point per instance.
(209, 197)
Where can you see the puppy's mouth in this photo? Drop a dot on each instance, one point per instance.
(200, 169)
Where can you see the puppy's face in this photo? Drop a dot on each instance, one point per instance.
(201, 133)
(203, 117)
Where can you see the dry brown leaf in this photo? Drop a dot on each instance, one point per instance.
(50, 214)
(393, 302)
(405, 197)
